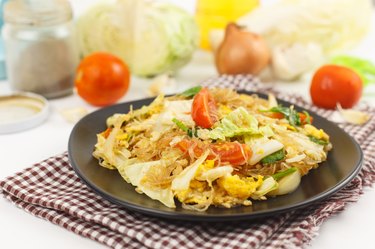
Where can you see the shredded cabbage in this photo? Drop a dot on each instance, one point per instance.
(238, 122)
(134, 174)
(151, 37)
(182, 181)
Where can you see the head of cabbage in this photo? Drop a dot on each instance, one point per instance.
(150, 36)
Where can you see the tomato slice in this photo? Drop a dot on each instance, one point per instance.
(204, 110)
(185, 144)
(277, 115)
(233, 153)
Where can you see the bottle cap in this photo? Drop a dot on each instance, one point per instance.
(22, 110)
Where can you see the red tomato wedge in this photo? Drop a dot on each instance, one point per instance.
(184, 145)
(277, 115)
(233, 153)
(204, 110)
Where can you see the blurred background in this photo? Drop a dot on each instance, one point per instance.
(171, 45)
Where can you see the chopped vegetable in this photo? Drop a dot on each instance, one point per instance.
(232, 152)
(237, 122)
(305, 118)
(318, 141)
(135, 173)
(212, 174)
(272, 101)
(183, 127)
(228, 152)
(263, 149)
(182, 181)
(287, 183)
(274, 157)
(268, 185)
(191, 92)
(289, 113)
(277, 176)
(204, 110)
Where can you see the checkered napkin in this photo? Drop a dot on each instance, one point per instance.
(52, 191)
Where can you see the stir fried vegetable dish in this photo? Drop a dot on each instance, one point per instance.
(212, 147)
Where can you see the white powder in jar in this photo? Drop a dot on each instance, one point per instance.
(44, 67)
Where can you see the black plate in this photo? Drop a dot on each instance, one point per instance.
(343, 163)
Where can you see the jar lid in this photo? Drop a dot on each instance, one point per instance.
(37, 12)
(21, 111)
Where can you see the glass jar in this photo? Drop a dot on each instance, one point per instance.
(40, 46)
(2, 57)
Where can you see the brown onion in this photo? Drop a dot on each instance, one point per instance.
(241, 52)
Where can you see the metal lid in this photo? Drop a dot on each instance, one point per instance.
(37, 12)
(21, 111)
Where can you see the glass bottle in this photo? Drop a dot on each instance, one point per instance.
(216, 14)
(40, 46)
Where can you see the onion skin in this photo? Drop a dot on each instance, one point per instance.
(241, 52)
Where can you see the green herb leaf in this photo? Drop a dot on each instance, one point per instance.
(274, 157)
(294, 118)
(280, 109)
(318, 141)
(191, 92)
(277, 176)
(183, 127)
(289, 113)
(180, 125)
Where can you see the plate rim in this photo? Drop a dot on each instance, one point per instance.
(202, 216)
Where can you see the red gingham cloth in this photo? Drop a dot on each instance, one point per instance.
(51, 190)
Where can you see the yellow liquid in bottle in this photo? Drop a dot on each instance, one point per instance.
(216, 14)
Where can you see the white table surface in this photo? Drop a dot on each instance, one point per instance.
(351, 228)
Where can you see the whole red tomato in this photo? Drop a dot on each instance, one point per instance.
(102, 79)
(332, 84)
